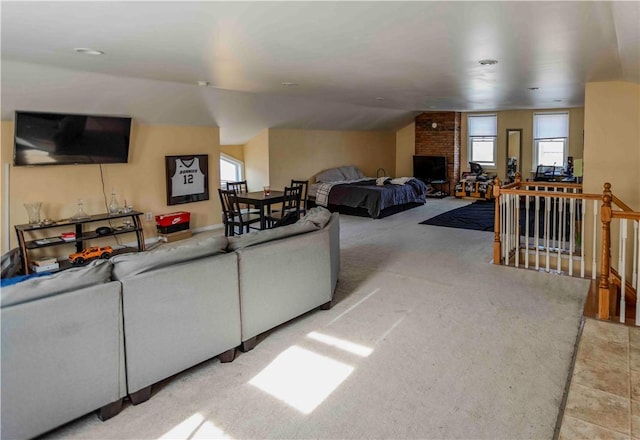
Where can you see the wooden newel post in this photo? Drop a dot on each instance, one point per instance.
(603, 288)
(497, 246)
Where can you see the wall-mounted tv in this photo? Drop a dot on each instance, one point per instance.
(430, 168)
(66, 139)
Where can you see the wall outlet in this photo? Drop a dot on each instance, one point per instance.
(149, 216)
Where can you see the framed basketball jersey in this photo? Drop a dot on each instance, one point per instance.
(187, 178)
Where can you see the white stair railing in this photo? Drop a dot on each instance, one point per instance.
(543, 225)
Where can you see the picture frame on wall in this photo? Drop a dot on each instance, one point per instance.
(187, 178)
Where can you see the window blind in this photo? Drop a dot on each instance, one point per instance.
(550, 125)
(483, 125)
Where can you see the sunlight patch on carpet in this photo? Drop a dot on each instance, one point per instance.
(193, 428)
(301, 378)
(342, 344)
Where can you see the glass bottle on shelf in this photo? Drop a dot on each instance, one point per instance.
(114, 207)
(80, 214)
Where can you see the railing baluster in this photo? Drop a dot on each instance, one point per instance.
(559, 231)
(552, 225)
(583, 220)
(634, 276)
(637, 270)
(622, 267)
(502, 228)
(537, 232)
(594, 265)
(516, 228)
(572, 221)
(547, 214)
(526, 239)
(508, 231)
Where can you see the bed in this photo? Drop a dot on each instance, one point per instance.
(349, 191)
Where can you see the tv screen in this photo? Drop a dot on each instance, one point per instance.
(430, 168)
(65, 139)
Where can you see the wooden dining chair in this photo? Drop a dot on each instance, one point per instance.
(241, 186)
(290, 206)
(232, 216)
(304, 196)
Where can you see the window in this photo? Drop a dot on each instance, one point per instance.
(483, 130)
(230, 170)
(550, 139)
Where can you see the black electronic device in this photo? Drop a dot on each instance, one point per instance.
(104, 230)
(430, 168)
(65, 139)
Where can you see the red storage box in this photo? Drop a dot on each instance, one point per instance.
(173, 222)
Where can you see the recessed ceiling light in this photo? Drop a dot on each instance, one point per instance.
(557, 100)
(534, 88)
(488, 62)
(88, 51)
(289, 84)
(203, 83)
(379, 98)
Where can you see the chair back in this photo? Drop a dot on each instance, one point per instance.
(291, 202)
(240, 186)
(229, 202)
(304, 184)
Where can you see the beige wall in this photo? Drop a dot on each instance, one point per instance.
(256, 161)
(405, 150)
(141, 182)
(235, 151)
(612, 140)
(513, 119)
(301, 154)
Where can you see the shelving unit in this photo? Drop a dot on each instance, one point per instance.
(83, 234)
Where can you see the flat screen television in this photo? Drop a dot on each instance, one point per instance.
(65, 139)
(430, 168)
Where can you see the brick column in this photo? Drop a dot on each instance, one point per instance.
(441, 140)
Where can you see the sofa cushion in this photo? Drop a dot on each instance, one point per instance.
(315, 219)
(258, 237)
(96, 272)
(330, 175)
(128, 265)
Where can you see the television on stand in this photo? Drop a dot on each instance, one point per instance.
(430, 168)
(68, 139)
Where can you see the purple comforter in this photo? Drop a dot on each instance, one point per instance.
(366, 194)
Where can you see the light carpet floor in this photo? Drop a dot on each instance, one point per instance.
(427, 340)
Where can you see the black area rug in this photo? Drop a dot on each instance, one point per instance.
(478, 216)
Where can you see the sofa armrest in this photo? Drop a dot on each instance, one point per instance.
(283, 279)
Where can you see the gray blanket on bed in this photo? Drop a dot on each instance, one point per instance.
(366, 194)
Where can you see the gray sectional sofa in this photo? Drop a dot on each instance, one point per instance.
(85, 338)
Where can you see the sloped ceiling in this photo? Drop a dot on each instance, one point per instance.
(357, 65)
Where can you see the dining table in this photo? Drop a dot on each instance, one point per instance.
(261, 201)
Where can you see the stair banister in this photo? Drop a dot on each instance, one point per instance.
(497, 245)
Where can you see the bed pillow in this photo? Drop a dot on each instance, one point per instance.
(351, 172)
(330, 175)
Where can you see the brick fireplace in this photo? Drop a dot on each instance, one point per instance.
(441, 140)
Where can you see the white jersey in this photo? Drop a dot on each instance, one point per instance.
(188, 179)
